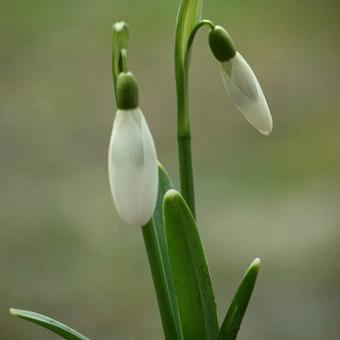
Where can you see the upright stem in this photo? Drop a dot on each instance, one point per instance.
(184, 140)
(182, 61)
(186, 171)
(123, 60)
(187, 18)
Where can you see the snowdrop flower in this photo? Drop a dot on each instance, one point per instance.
(240, 81)
(133, 171)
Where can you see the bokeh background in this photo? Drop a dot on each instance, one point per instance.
(64, 251)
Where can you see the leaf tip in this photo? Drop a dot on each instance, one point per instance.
(161, 168)
(13, 311)
(254, 268)
(171, 195)
(256, 263)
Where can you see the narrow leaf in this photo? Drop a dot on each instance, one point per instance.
(188, 16)
(237, 309)
(194, 294)
(155, 243)
(51, 324)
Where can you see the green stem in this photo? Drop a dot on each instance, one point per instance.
(120, 37)
(183, 117)
(184, 140)
(204, 22)
(186, 170)
(123, 60)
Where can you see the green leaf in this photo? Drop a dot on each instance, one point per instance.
(237, 309)
(194, 294)
(188, 16)
(51, 324)
(155, 243)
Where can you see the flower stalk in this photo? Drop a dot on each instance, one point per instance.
(188, 16)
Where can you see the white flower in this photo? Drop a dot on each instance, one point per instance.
(246, 93)
(133, 169)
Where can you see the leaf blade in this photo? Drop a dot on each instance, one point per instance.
(53, 325)
(188, 16)
(194, 294)
(232, 321)
(156, 247)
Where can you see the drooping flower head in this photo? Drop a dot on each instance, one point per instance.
(132, 160)
(240, 81)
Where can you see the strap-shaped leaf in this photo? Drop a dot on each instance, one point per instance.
(188, 16)
(155, 243)
(194, 294)
(51, 324)
(237, 309)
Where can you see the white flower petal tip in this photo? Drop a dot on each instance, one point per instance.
(246, 93)
(133, 169)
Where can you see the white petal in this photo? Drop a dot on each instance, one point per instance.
(246, 93)
(133, 169)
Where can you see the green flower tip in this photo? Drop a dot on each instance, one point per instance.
(127, 91)
(221, 44)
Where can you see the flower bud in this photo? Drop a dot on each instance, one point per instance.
(240, 81)
(246, 93)
(132, 160)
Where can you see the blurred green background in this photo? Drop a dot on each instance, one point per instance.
(64, 251)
